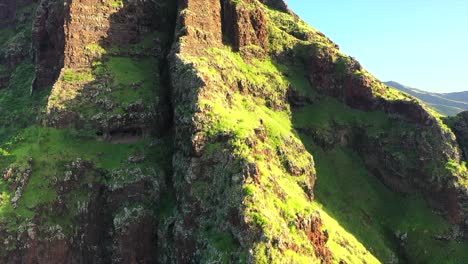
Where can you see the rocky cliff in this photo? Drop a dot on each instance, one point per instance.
(215, 131)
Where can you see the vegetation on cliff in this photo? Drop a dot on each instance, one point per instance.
(244, 137)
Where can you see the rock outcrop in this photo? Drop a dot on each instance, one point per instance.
(342, 77)
(313, 227)
(48, 42)
(244, 24)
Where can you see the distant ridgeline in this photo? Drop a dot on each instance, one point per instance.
(448, 104)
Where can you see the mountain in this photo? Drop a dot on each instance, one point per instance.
(213, 131)
(448, 104)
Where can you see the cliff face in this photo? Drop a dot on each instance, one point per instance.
(48, 43)
(217, 166)
(343, 78)
(211, 131)
(105, 62)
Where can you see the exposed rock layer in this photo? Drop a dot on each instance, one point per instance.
(48, 42)
(209, 176)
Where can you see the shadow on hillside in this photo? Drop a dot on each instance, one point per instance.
(389, 224)
(128, 94)
(337, 188)
(130, 101)
(122, 96)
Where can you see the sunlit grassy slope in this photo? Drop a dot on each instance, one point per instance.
(364, 206)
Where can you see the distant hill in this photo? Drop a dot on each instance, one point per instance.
(445, 103)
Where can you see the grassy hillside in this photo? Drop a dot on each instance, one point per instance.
(391, 225)
(206, 152)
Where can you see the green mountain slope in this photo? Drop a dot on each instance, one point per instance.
(213, 132)
(448, 104)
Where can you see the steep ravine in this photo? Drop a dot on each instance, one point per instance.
(212, 131)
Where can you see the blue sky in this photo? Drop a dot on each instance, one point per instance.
(419, 43)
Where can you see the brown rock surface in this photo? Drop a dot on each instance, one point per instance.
(313, 228)
(200, 23)
(244, 25)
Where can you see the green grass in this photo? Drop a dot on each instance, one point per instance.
(50, 149)
(260, 76)
(128, 72)
(20, 33)
(296, 75)
(330, 111)
(95, 50)
(359, 202)
(130, 75)
(117, 3)
(287, 33)
(18, 108)
(292, 25)
(70, 75)
(373, 213)
(131, 80)
(360, 214)
(6, 34)
(3, 69)
(244, 117)
(223, 242)
(273, 202)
